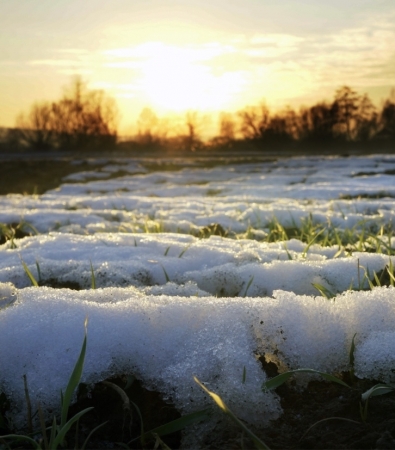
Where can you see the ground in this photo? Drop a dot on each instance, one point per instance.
(322, 416)
(35, 176)
(327, 416)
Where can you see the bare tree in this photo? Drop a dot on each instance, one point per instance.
(316, 123)
(36, 129)
(227, 127)
(254, 121)
(82, 118)
(291, 123)
(366, 122)
(85, 118)
(194, 124)
(346, 107)
(387, 117)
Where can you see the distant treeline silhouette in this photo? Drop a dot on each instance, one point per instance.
(86, 120)
(349, 119)
(81, 119)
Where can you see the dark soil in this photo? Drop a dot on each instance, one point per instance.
(122, 422)
(35, 176)
(327, 416)
(324, 415)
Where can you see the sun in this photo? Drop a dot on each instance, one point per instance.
(179, 79)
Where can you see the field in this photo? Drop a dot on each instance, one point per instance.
(230, 271)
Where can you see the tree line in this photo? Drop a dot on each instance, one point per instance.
(85, 119)
(350, 119)
(81, 119)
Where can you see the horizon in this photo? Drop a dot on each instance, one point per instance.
(220, 57)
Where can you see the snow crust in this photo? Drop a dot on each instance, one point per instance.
(170, 305)
(236, 196)
(165, 340)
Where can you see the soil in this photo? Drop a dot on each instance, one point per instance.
(32, 174)
(327, 416)
(35, 176)
(324, 415)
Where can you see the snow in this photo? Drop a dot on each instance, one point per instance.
(170, 305)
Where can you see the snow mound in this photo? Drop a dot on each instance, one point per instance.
(165, 340)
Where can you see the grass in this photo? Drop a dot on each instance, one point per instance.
(10, 232)
(374, 391)
(363, 237)
(56, 434)
(58, 431)
(258, 443)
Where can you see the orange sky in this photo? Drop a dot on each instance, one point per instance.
(206, 56)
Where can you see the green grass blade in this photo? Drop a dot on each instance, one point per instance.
(248, 286)
(73, 381)
(42, 425)
(29, 274)
(338, 253)
(142, 434)
(378, 389)
(259, 444)
(54, 429)
(288, 254)
(351, 358)
(352, 351)
(179, 424)
(390, 270)
(18, 437)
(38, 272)
(325, 292)
(185, 249)
(93, 278)
(166, 274)
(306, 249)
(376, 279)
(368, 278)
(90, 435)
(163, 445)
(66, 427)
(277, 381)
(25, 225)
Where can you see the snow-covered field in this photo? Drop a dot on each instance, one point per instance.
(171, 304)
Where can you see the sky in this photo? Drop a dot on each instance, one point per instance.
(185, 306)
(176, 56)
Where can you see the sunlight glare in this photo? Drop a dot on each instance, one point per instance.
(179, 79)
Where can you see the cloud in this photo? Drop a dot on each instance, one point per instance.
(69, 61)
(10, 63)
(73, 51)
(157, 50)
(285, 66)
(54, 62)
(124, 65)
(275, 66)
(276, 40)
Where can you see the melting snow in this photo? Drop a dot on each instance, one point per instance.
(171, 305)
